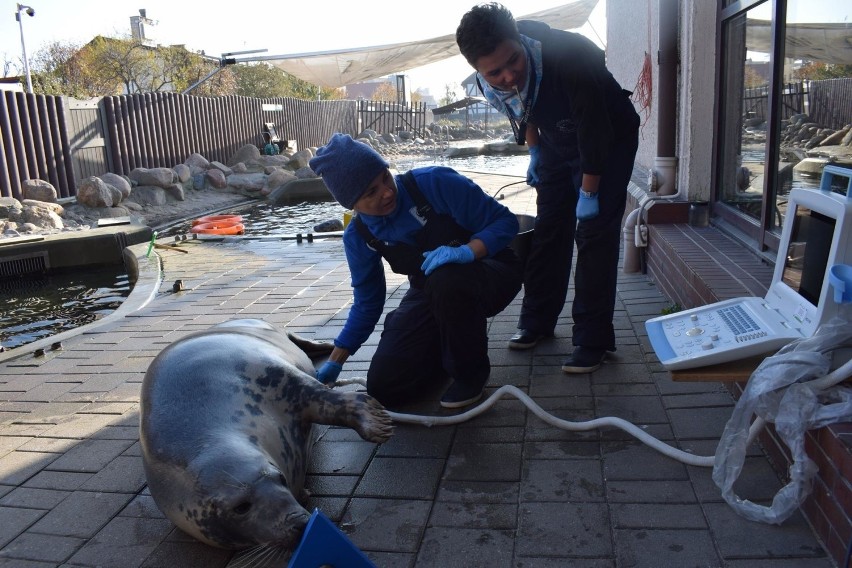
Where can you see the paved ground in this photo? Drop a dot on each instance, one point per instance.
(503, 490)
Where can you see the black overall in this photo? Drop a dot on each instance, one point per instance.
(440, 326)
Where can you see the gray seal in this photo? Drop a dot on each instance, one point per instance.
(226, 421)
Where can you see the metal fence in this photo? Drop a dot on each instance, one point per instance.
(64, 140)
(828, 102)
(389, 117)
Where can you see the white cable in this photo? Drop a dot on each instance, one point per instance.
(838, 375)
(607, 421)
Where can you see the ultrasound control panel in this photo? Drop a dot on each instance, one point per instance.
(722, 332)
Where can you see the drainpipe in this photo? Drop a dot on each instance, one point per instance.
(662, 179)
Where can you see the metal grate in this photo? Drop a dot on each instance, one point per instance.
(29, 263)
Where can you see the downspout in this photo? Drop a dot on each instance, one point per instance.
(662, 180)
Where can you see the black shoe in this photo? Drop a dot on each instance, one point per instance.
(460, 394)
(525, 339)
(584, 360)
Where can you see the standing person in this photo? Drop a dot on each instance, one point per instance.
(582, 133)
(451, 239)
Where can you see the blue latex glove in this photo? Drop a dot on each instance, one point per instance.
(329, 372)
(587, 207)
(446, 255)
(532, 174)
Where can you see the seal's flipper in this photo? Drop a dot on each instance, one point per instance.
(312, 349)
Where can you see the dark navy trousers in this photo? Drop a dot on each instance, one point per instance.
(598, 243)
(440, 330)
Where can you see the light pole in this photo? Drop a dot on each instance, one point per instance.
(31, 13)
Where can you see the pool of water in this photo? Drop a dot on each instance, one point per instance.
(36, 307)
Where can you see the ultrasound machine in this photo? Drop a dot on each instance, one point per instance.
(816, 235)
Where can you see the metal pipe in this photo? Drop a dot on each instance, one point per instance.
(667, 60)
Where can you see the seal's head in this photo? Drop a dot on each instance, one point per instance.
(242, 500)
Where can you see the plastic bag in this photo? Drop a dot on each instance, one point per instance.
(778, 391)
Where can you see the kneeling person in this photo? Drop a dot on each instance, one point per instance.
(451, 239)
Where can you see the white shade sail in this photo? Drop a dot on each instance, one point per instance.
(344, 67)
(827, 43)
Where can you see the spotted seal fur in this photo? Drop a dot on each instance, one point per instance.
(226, 420)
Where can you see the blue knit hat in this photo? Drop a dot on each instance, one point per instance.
(347, 167)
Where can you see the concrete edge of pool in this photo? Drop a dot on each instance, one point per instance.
(148, 273)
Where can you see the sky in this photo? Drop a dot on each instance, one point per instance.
(279, 27)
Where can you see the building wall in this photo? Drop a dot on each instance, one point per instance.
(627, 41)
(696, 98)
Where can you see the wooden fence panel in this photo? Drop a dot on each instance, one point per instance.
(831, 102)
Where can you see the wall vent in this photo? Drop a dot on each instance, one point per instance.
(24, 264)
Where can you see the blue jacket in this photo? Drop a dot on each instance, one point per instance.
(448, 192)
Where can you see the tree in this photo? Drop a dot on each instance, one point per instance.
(416, 97)
(449, 94)
(384, 92)
(260, 80)
(816, 70)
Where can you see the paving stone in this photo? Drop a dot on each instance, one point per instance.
(41, 547)
(173, 555)
(122, 475)
(124, 543)
(681, 548)
(341, 457)
(81, 514)
(479, 491)
(485, 462)
(444, 547)
(404, 478)
(90, 455)
(635, 460)
(417, 441)
(737, 537)
(657, 516)
(18, 466)
(33, 498)
(388, 525)
(566, 530)
(562, 480)
(646, 491)
(475, 515)
(14, 521)
(61, 480)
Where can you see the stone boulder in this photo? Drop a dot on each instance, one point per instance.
(42, 218)
(148, 195)
(246, 154)
(197, 163)
(183, 172)
(159, 177)
(94, 192)
(247, 182)
(214, 165)
(217, 179)
(121, 183)
(8, 205)
(175, 191)
(55, 207)
(39, 190)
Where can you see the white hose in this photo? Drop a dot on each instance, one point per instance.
(838, 375)
(604, 422)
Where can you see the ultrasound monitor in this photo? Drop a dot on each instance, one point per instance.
(816, 235)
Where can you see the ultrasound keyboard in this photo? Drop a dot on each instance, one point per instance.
(722, 332)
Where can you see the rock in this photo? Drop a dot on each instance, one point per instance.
(240, 168)
(276, 179)
(183, 172)
(300, 159)
(55, 207)
(160, 177)
(8, 204)
(197, 162)
(132, 206)
(247, 182)
(217, 179)
(93, 192)
(42, 218)
(305, 173)
(247, 153)
(148, 195)
(121, 183)
(175, 191)
(38, 190)
(329, 226)
(221, 167)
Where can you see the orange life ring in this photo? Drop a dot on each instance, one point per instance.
(219, 228)
(216, 219)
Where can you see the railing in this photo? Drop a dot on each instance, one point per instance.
(389, 117)
(828, 102)
(64, 140)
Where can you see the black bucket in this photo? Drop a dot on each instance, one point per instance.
(522, 243)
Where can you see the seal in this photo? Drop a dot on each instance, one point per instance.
(226, 432)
